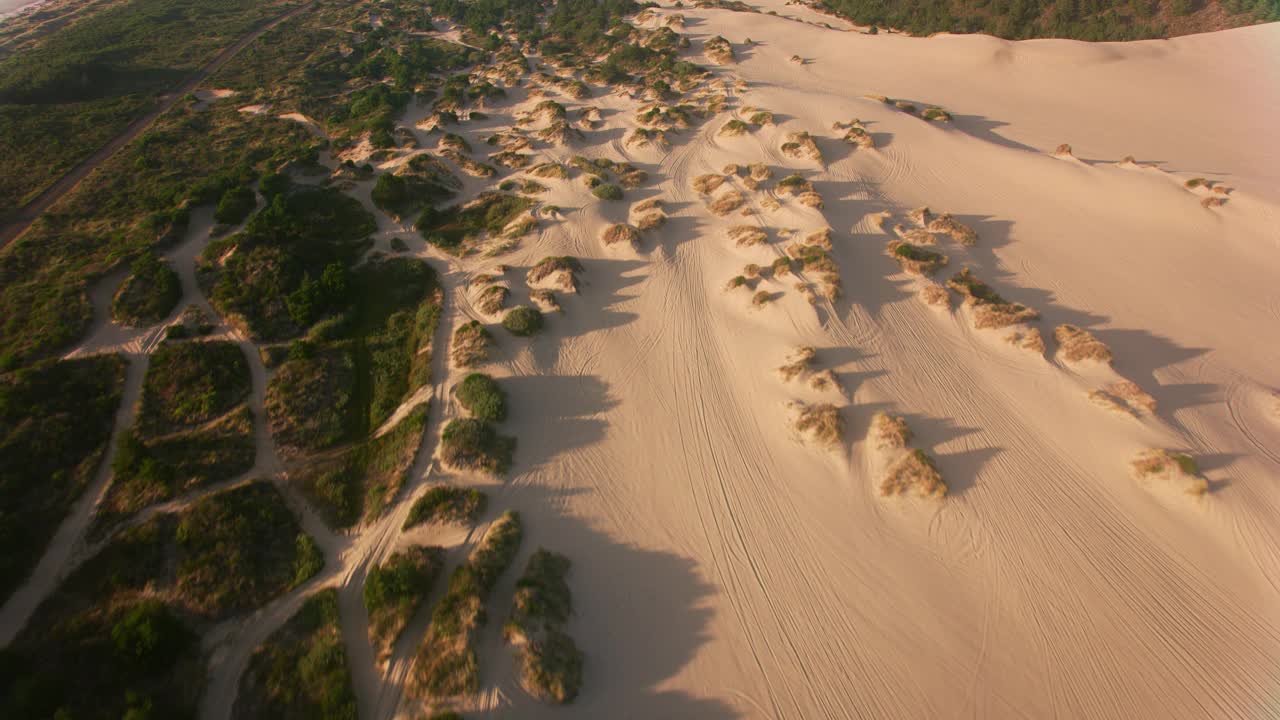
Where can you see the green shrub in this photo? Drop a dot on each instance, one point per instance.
(482, 397)
(191, 382)
(394, 590)
(472, 444)
(607, 191)
(447, 504)
(149, 294)
(522, 321)
(150, 636)
(235, 205)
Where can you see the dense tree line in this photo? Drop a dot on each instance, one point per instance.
(1094, 20)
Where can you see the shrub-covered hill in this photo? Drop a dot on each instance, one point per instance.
(1076, 19)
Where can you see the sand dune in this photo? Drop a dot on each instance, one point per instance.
(730, 562)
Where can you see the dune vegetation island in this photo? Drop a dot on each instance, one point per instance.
(373, 359)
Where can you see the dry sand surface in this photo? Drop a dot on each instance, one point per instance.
(726, 565)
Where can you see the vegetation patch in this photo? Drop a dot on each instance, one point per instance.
(560, 270)
(473, 444)
(420, 181)
(990, 310)
(607, 192)
(301, 672)
(747, 235)
(550, 663)
(718, 50)
(914, 259)
(457, 230)
(708, 183)
(148, 294)
(802, 146)
(522, 321)
(395, 589)
(56, 419)
(945, 224)
(191, 382)
(1178, 470)
(621, 233)
(728, 201)
(482, 398)
(1076, 344)
(471, 343)
(889, 432)
(447, 665)
(447, 504)
(914, 472)
(821, 424)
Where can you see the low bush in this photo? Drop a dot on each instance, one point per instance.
(471, 343)
(472, 444)
(550, 662)
(607, 192)
(914, 259)
(913, 472)
(447, 504)
(621, 233)
(481, 397)
(522, 321)
(301, 672)
(395, 589)
(149, 294)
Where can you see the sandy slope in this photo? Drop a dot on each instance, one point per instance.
(723, 568)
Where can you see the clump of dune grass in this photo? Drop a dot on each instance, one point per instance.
(447, 504)
(945, 224)
(762, 298)
(819, 238)
(761, 117)
(751, 270)
(1196, 182)
(793, 185)
(559, 133)
(493, 299)
(797, 59)
(545, 300)
(533, 187)
(631, 177)
(482, 398)
(648, 137)
(549, 171)
(1212, 202)
(1063, 151)
(747, 235)
(708, 183)
(509, 159)
(734, 128)
(651, 221)
(889, 432)
(1107, 401)
(562, 270)
(821, 424)
(471, 342)
(1127, 392)
(470, 166)
(732, 169)
(989, 308)
(810, 199)
(801, 145)
(473, 444)
(718, 50)
(647, 205)
(447, 665)
(452, 141)
(1027, 339)
(798, 363)
(1076, 344)
(920, 216)
(728, 202)
(739, 281)
(915, 236)
(549, 662)
(621, 233)
(913, 473)
(781, 267)
(933, 113)
(522, 321)
(1179, 470)
(914, 259)
(935, 295)
(607, 191)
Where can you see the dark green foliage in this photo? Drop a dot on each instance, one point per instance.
(395, 589)
(301, 672)
(550, 662)
(119, 633)
(424, 180)
(522, 321)
(73, 86)
(235, 205)
(472, 444)
(191, 382)
(309, 400)
(148, 471)
(290, 264)
(607, 192)
(55, 422)
(1077, 19)
(239, 549)
(455, 228)
(447, 504)
(149, 294)
(482, 398)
